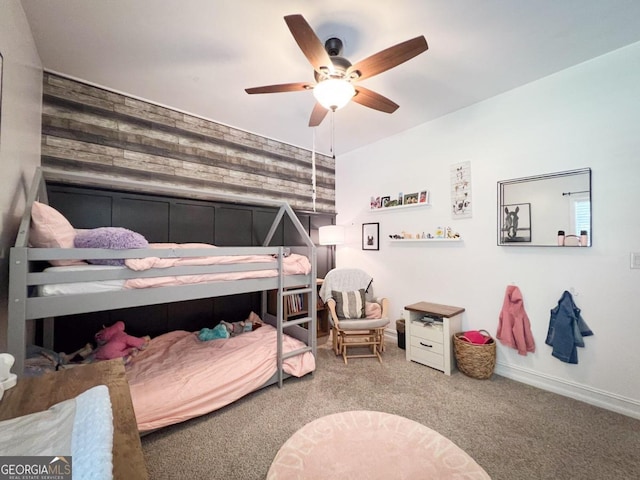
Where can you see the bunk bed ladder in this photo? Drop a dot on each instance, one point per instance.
(280, 317)
(282, 324)
(310, 290)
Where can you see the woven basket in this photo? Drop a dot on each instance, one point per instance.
(476, 361)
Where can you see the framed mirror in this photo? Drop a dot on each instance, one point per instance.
(546, 210)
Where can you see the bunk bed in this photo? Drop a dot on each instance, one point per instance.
(266, 272)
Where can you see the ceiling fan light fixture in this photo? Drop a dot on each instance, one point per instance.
(335, 76)
(334, 93)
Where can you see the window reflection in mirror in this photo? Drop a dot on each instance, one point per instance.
(546, 210)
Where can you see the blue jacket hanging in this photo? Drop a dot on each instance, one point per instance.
(566, 329)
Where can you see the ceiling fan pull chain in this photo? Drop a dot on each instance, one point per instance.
(313, 169)
(333, 133)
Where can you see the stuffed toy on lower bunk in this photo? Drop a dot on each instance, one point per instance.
(226, 329)
(113, 342)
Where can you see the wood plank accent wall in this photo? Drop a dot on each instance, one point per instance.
(90, 129)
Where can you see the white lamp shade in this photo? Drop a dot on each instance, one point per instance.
(334, 93)
(331, 235)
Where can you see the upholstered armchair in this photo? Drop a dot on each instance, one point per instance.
(358, 319)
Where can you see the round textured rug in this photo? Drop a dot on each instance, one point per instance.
(370, 445)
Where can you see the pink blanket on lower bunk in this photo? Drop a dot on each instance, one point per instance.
(293, 264)
(178, 377)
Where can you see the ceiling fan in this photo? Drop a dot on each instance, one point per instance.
(336, 79)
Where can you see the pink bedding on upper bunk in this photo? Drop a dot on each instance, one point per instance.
(293, 264)
(178, 376)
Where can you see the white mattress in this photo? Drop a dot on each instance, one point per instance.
(81, 287)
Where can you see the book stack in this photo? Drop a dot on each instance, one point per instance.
(295, 304)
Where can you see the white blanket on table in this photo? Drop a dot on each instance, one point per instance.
(80, 428)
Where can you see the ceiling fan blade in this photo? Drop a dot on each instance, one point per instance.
(317, 115)
(374, 100)
(309, 43)
(389, 58)
(284, 87)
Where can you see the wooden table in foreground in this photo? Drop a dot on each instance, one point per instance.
(36, 394)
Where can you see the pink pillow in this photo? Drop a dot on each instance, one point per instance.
(50, 229)
(373, 310)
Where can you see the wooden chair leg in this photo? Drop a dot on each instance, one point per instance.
(372, 339)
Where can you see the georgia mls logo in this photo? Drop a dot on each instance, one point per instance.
(36, 468)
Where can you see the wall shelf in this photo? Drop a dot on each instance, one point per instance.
(399, 207)
(423, 240)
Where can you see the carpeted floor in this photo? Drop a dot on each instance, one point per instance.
(512, 430)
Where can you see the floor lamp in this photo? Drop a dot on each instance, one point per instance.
(331, 235)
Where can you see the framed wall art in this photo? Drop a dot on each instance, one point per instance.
(515, 223)
(370, 236)
(461, 204)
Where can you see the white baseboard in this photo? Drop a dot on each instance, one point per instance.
(590, 395)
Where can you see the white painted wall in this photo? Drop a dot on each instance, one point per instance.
(585, 116)
(19, 132)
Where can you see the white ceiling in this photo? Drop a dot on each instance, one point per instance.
(198, 56)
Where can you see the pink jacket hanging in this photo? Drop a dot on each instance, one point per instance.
(514, 329)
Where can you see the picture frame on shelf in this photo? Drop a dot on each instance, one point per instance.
(370, 236)
(410, 198)
(384, 202)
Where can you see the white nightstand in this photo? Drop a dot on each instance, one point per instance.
(431, 344)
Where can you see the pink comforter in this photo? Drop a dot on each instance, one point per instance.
(293, 264)
(178, 377)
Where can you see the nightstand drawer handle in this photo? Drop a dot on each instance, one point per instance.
(426, 345)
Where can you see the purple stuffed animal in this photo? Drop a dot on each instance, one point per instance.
(113, 342)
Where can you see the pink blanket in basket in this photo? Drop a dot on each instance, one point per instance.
(293, 264)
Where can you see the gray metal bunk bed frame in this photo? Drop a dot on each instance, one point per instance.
(24, 278)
